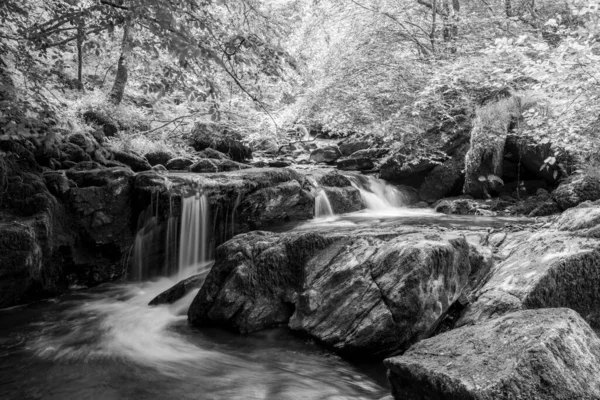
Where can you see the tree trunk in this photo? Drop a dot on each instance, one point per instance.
(118, 89)
(80, 33)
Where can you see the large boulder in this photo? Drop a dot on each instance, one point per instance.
(326, 155)
(444, 180)
(355, 164)
(541, 269)
(366, 295)
(576, 190)
(406, 170)
(179, 163)
(108, 125)
(158, 157)
(353, 145)
(221, 138)
(135, 162)
(344, 199)
(285, 201)
(546, 354)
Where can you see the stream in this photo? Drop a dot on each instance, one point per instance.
(107, 343)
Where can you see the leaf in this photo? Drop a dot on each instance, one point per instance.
(494, 178)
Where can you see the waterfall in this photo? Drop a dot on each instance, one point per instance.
(322, 205)
(378, 194)
(193, 237)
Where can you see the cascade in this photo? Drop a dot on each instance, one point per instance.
(378, 194)
(322, 205)
(193, 237)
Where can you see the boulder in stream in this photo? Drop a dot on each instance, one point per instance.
(546, 354)
(179, 290)
(364, 294)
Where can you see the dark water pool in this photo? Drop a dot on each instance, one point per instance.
(106, 343)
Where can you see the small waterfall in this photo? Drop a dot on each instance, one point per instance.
(193, 237)
(322, 205)
(378, 194)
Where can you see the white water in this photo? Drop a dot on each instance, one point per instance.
(379, 195)
(323, 207)
(193, 237)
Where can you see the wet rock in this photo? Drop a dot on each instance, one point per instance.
(286, 201)
(576, 190)
(57, 183)
(279, 164)
(334, 179)
(355, 164)
(178, 291)
(363, 295)
(372, 154)
(344, 199)
(540, 270)
(444, 180)
(237, 295)
(327, 154)
(158, 157)
(463, 206)
(352, 145)
(533, 354)
(137, 163)
(179, 163)
(220, 138)
(215, 165)
(86, 165)
(85, 142)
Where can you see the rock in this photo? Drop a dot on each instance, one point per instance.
(67, 164)
(327, 154)
(214, 154)
(399, 169)
(178, 291)
(286, 201)
(137, 163)
(344, 200)
(540, 270)
(545, 208)
(87, 165)
(352, 145)
(355, 164)
(583, 220)
(203, 166)
(179, 163)
(279, 164)
(237, 296)
(72, 152)
(535, 354)
(108, 125)
(57, 183)
(334, 179)
(576, 190)
(98, 177)
(375, 153)
(158, 157)
(159, 168)
(215, 165)
(445, 180)
(363, 295)
(86, 143)
(221, 138)
(463, 206)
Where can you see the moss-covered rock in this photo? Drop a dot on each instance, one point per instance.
(576, 190)
(220, 138)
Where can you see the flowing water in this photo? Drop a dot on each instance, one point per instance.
(107, 343)
(323, 207)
